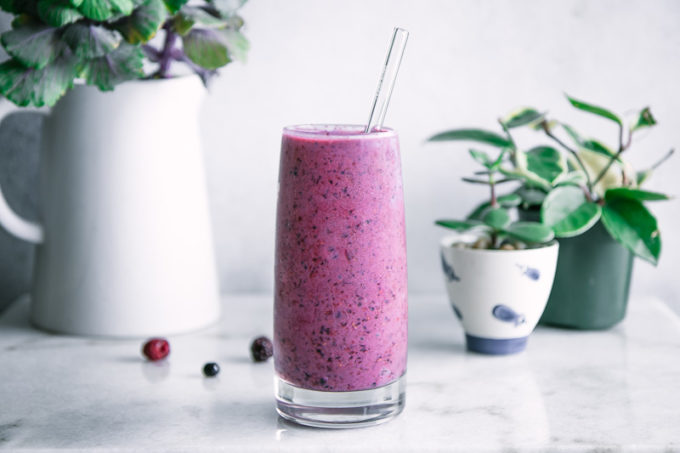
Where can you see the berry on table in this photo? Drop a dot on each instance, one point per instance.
(211, 369)
(156, 349)
(261, 349)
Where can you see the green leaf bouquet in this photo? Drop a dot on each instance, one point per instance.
(106, 42)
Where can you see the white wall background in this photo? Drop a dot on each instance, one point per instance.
(467, 62)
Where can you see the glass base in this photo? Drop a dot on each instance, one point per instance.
(340, 409)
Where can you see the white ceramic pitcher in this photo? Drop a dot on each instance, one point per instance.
(124, 247)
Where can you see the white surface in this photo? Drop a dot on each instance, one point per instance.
(125, 213)
(520, 280)
(569, 391)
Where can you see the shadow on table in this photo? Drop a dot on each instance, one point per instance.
(436, 345)
(17, 316)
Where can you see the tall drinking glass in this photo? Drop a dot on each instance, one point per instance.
(340, 314)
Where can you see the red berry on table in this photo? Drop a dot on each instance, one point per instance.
(156, 349)
(261, 349)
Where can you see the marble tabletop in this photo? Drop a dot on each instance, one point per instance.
(617, 390)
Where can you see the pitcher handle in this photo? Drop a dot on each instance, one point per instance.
(14, 224)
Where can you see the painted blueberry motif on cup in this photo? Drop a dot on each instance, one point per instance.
(507, 314)
(448, 270)
(530, 272)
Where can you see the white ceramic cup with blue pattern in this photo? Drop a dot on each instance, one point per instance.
(498, 295)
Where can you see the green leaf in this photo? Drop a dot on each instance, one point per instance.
(20, 6)
(495, 165)
(476, 181)
(182, 23)
(634, 194)
(190, 17)
(122, 6)
(91, 41)
(598, 147)
(545, 162)
(590, 144)
(206, 48)
(510, 200)
(574, 178)
(458, 224)
(58, 13)
(544, 124)
(530, 232)
(567, 211)
(630, 223)
(100, 10)
(174, 5)
(497, 218)
(124, 63)
(522, 172)
(481, 157)
(575, 136)
(596, 110)
(531, 196)
(526, 177)
(643, 176)
(144, 22)
(34, 45)
(234, 22)
(479, 211)
(485, 181)
(522, 117)
(96, 9)
(227, 7)
(645, 119)
(475, 135)
(37, 87)
(237, 44)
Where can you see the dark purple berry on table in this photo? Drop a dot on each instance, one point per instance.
(156, 349)
(211, 369)
(261, 349)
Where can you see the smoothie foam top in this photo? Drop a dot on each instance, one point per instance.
(335, 132)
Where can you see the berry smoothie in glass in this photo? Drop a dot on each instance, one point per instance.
(340, 315)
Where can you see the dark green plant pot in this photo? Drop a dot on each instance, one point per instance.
(591, 282)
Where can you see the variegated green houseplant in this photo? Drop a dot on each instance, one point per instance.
(593, 200)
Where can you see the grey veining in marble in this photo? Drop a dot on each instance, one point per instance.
(617, 390)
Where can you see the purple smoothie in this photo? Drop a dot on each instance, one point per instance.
(340, 321)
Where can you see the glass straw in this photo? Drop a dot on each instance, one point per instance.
(387, 79)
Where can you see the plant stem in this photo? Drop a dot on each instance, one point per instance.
(663, 159)
(548, 132)
(616, 156)
(492, 185)
(587, 194)
(513, 149)
(166, 52)
(152, 53)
